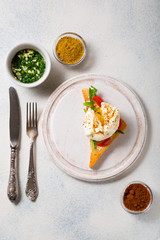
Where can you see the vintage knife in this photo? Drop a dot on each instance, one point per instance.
(13, 186)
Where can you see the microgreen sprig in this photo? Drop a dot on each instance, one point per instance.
(93, 144)
(120, 131)
(92, 93)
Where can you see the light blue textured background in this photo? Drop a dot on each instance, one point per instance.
(123, 41)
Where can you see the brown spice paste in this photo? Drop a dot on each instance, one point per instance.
(136, 197)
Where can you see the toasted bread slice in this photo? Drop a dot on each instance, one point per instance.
(96, 153)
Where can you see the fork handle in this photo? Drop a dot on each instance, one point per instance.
(13, 191)
(31, 186)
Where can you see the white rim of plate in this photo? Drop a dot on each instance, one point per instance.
(71, 169)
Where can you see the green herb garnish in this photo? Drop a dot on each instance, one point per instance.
(84, 110)
(93, 144)
(92, 93)
(120, 131)
(88, 104)
(28, 66)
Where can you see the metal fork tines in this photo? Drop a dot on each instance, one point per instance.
(32, 132)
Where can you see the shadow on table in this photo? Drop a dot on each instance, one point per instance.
(57, 74)
(55, 78)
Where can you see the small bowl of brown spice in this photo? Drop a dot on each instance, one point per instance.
(69, 49)
(136, 197)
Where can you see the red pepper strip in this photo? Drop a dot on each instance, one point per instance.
(120, 124)
(104, 143)
(98, 100)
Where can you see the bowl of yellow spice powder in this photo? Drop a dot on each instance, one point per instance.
(70, 49)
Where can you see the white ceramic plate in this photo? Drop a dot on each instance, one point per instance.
(64, 136)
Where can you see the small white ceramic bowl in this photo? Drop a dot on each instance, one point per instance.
(35, 47)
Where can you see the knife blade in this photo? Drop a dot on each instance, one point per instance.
(14, 123)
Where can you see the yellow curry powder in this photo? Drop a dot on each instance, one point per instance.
(69, 50)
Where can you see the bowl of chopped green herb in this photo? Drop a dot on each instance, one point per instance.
(28, 64)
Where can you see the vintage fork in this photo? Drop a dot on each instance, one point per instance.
(32, 132)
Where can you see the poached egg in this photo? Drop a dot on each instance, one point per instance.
(102, 123)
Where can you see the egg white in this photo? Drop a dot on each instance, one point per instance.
(93, 127)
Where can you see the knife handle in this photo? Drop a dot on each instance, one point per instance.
(12, 191)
